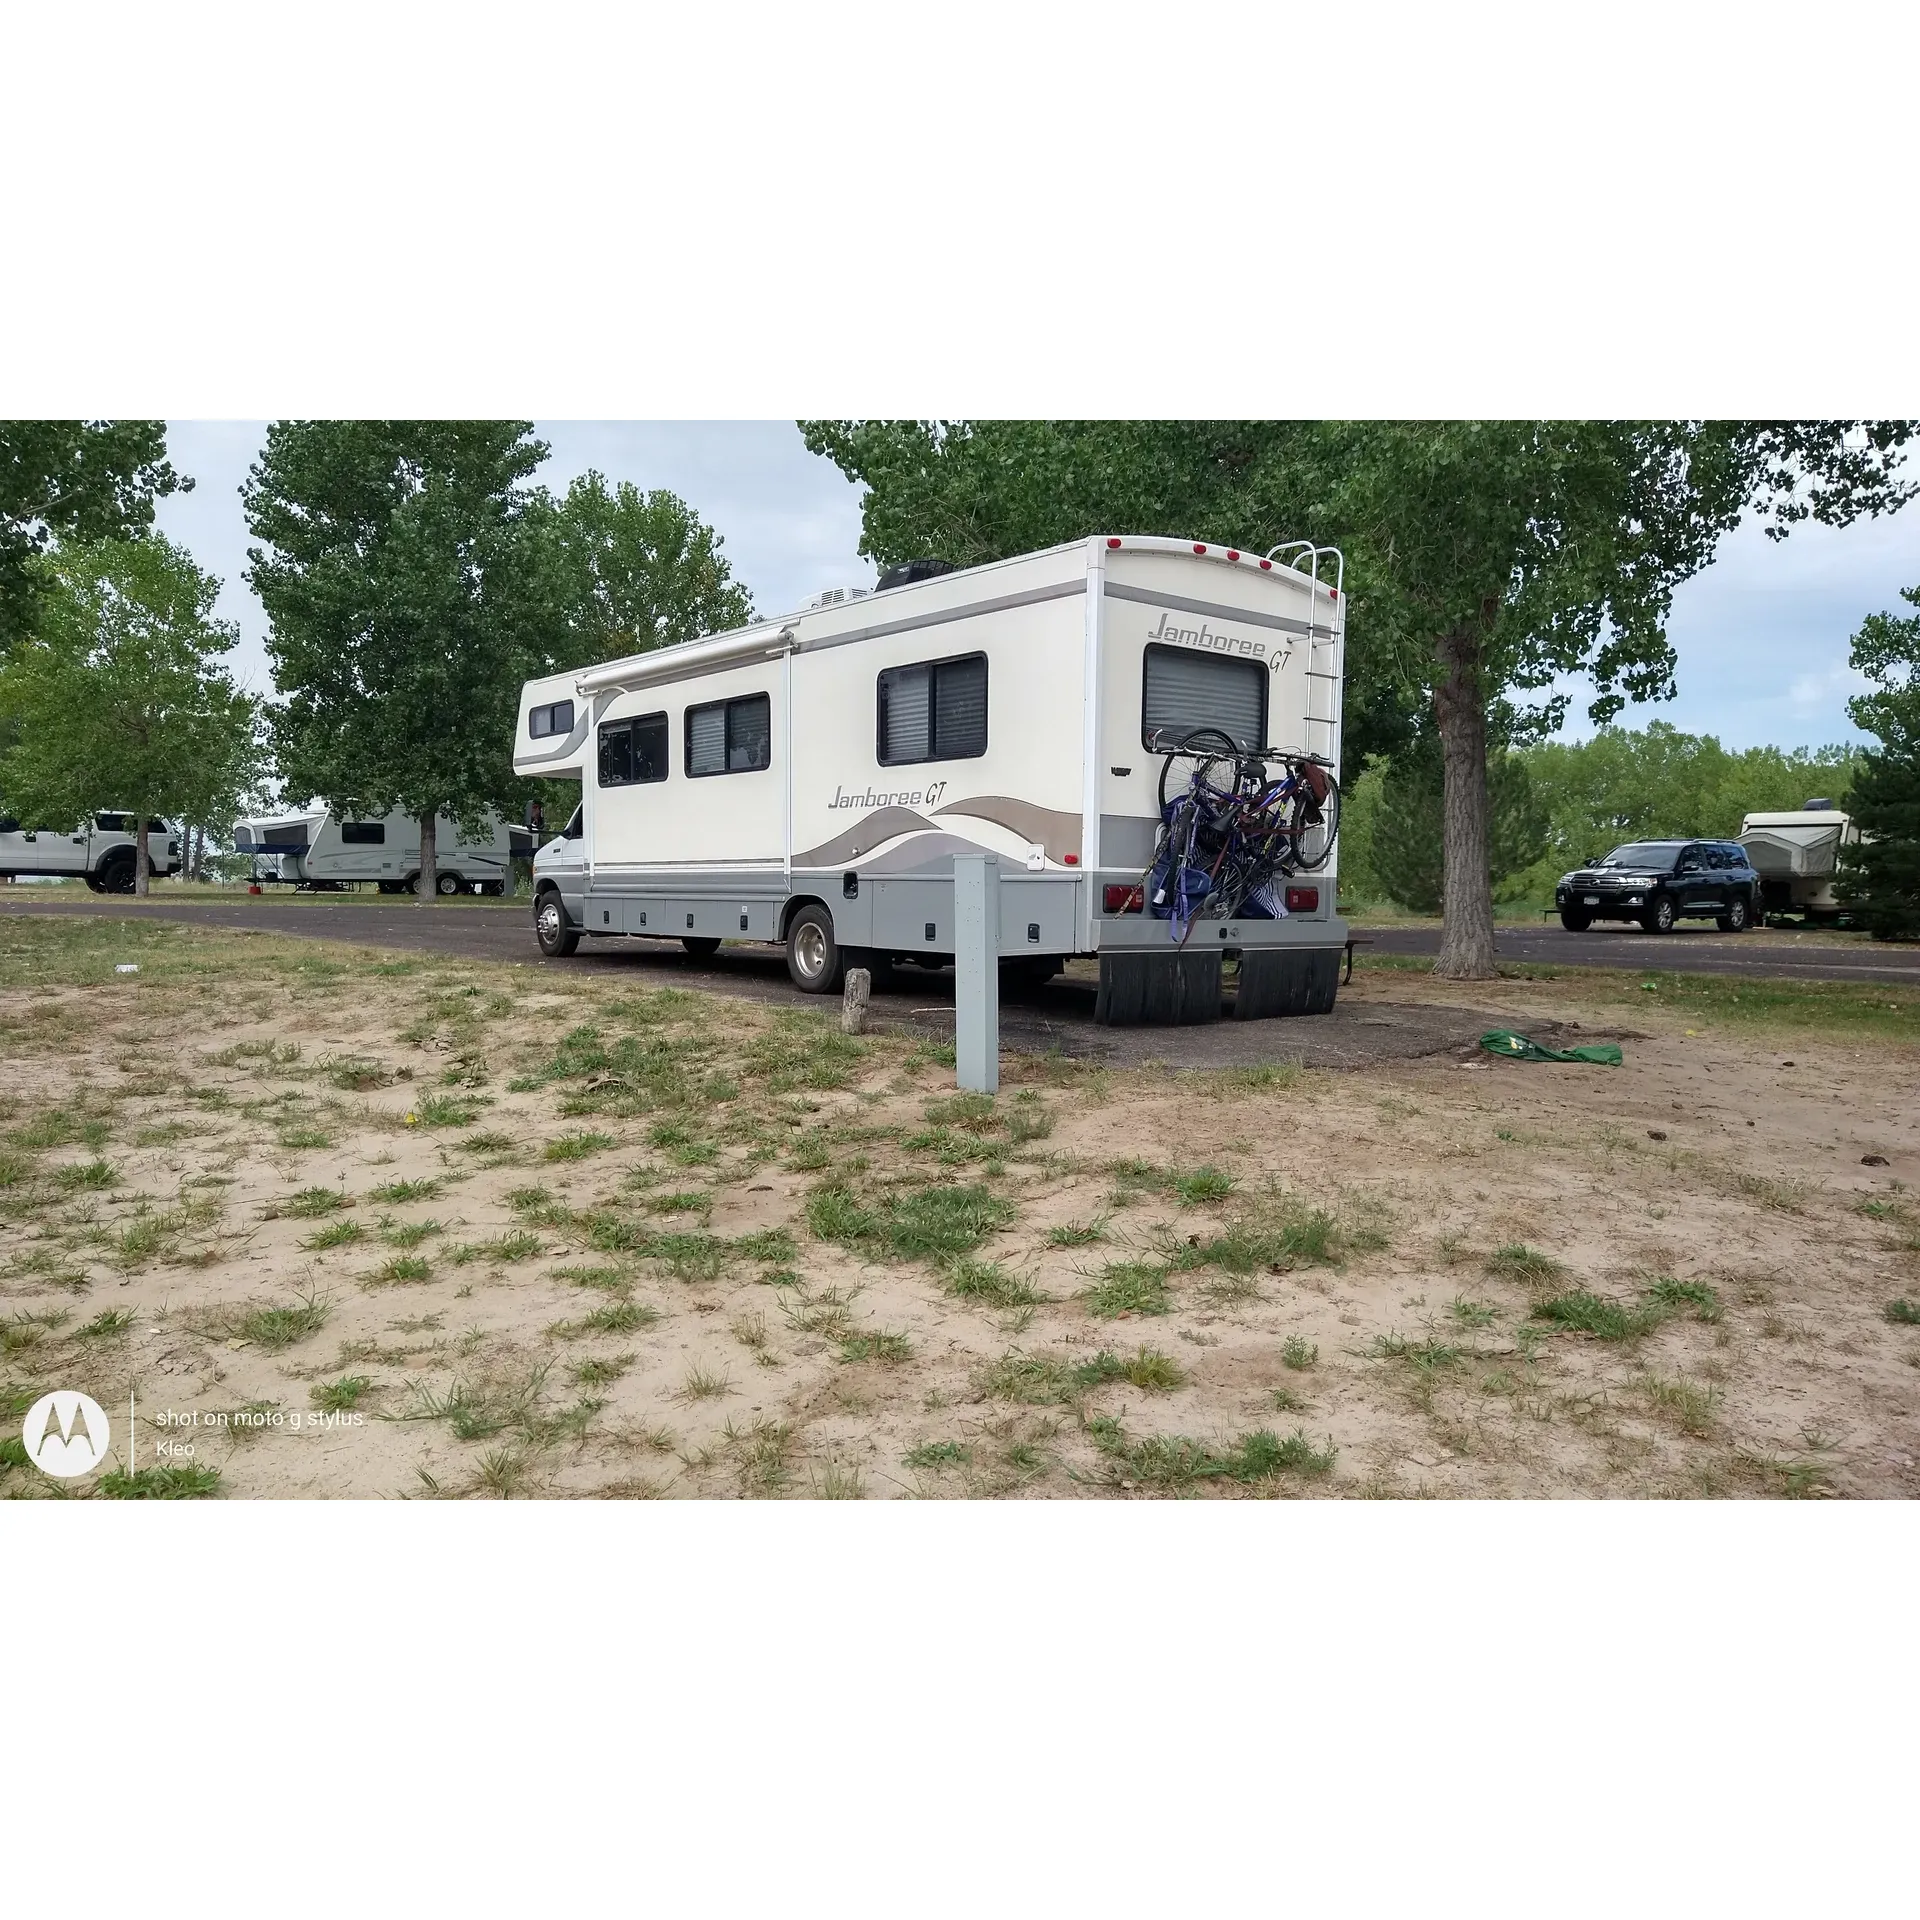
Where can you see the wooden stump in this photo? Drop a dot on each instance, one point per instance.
(853, 1007)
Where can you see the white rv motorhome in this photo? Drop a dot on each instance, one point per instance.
(319, 848)
(808, 780)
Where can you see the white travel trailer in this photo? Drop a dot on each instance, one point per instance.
(319, 848)
(808, 780)
(1797, 856)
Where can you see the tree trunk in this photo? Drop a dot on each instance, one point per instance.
(429, 857)
(1459, 700)
(142, 858)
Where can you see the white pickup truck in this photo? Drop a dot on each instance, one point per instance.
(99, 851)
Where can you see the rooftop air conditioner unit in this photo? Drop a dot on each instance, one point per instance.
(836, 597)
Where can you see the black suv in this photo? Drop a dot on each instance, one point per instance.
(1657, 882)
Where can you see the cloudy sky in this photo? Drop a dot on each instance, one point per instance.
(1762, 634)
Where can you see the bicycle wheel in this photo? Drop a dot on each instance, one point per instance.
(1314, 827)
(1205, 748)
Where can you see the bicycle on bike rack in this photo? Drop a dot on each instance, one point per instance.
(1233, 831)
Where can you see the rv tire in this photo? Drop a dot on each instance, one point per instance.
(448, 883)
(116, 876)
(814, 958)
(557, 939)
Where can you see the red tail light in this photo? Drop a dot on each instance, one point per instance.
(1302, 899)
(1112, 541)
(1124, 899)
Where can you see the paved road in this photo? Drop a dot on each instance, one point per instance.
(1768, 955)
(504, 932)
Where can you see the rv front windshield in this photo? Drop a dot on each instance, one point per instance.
(1656, 854)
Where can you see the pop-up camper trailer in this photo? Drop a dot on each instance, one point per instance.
(1797, 856)
(318, 848)
(808, 780)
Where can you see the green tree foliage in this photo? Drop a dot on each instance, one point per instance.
(409, 583)
(1404, 857)
(1494, 556)
(118, 699)
(1484, 556)
(637, 571)
(1883, 873)
(973, 491)
(1660, 784)
(71, 480)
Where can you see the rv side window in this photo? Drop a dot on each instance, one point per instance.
(364, 833)
(1184, 691)
(730, 736)
(633, 753)
(544, 721)
(936, 710)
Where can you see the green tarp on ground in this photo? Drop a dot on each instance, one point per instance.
(1516, 1046)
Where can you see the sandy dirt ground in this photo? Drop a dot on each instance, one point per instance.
(345, 1223)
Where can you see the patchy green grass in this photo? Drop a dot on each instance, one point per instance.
(936, 1456)
(1174, 1462)
(310, 1203)
(90, 1176)
(1690, 1406)
(887, 1349)
(341, 1395)
(1903, 1312)
(1077, 1233)
(279, 1327)
(166, 1480)
(106, 1326)
(1582, 1312)
(576, 1146)
(409, 1233)
(403, 1270)
(1671, 1296)
(603, 1372)
(336, 1233)
(924, 1223)
(1202, 1186)
(444, 1110)
(1128, 1286)
(304, 1138)
(400, 1193)
(990, 1284)
(615, 1316)
(1299, 1354)
(1526, 1265)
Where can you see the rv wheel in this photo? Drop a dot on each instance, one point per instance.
(448, 883)
(550, 928)
(813, 954)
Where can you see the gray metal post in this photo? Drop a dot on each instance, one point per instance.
(976, 971)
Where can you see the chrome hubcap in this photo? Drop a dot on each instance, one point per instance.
(810, 951)
(550, 921)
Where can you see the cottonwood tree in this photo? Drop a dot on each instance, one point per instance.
(1483, 556)
(118, 697)
(973, 491)
(410, 593)
(1884, 870)
(636, 571)
(71, 480)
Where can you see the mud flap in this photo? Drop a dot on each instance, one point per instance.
(1158, 989)
(1278, 982)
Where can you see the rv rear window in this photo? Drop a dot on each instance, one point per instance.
(544, 721)
(1185, 690)
(633, 753)
(364, 833)
(935, 710)
(730, 736)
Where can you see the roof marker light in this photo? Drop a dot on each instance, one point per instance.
(1199, 546)
(1113, 540)
(1266, 566)
(1232, 554)
(1070, 859)
(1333, 593)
